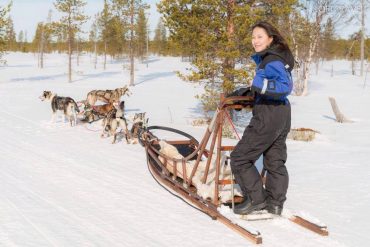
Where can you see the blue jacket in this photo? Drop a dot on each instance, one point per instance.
(273, 80)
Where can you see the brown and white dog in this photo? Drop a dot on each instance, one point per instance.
(96, 112)
(107, 96)
(114, 120)
(65, 104)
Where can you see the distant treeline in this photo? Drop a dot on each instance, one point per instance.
(330, 49)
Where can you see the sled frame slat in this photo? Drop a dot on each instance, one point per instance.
(323, 231)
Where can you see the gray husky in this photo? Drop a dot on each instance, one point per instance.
(65, 104)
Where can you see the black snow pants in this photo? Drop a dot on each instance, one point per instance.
(265, 135)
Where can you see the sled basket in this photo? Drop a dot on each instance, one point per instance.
(175, 174)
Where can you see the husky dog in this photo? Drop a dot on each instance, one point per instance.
(117, 111)
(107, 96)
(65, 104)
(139, 122)
(94, 113)
(114, 120)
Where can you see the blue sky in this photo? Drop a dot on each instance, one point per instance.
(27, 13)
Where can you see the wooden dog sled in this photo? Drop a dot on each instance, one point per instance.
(175, 175)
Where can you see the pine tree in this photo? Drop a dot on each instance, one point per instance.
(364, 8)
(77, 41)
(93, 38)
(4, 11)
(20, 40)
(42, 39)
(127, 11)
(70, 23)
(116, 41)
(327, 45)
(157, 37)
(142, 34)
(217, 35)
(160, 39)
(11, 42)
(104, 21)
(36, 42)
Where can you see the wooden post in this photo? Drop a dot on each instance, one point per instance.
(218, 159)
(218, 156)
(215, 133)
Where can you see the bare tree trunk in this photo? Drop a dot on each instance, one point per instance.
(69, 52)
(132, 62)
(96, 55)
(362, 36)
(147, 48)
(297, 85)
(78, 53)
(353, 66)
(42, 47)
(306, 69)
(105, 54)
(38, 57)
(70, 60)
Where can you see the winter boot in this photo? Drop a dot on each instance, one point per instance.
(274, 209)
(248, 206)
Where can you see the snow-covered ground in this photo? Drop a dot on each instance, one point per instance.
(63, 186)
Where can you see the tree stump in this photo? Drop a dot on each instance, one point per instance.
(340, 118)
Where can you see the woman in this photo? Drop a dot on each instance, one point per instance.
(267, 131)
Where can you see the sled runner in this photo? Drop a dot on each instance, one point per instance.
(198, 173)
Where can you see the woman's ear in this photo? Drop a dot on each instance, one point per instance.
(270, 41)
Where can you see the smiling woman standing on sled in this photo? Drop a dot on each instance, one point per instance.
(268, 129)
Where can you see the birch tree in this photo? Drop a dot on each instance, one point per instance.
(306, 26)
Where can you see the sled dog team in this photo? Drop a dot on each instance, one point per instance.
(112, 112)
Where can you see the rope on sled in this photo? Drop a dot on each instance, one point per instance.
(232, 124)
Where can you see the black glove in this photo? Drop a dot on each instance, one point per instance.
(244, 91)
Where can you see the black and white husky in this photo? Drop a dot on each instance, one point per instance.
(65, 104)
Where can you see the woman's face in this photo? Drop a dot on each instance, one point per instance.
(260, 39)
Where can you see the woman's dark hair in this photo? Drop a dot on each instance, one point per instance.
(271, 31)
